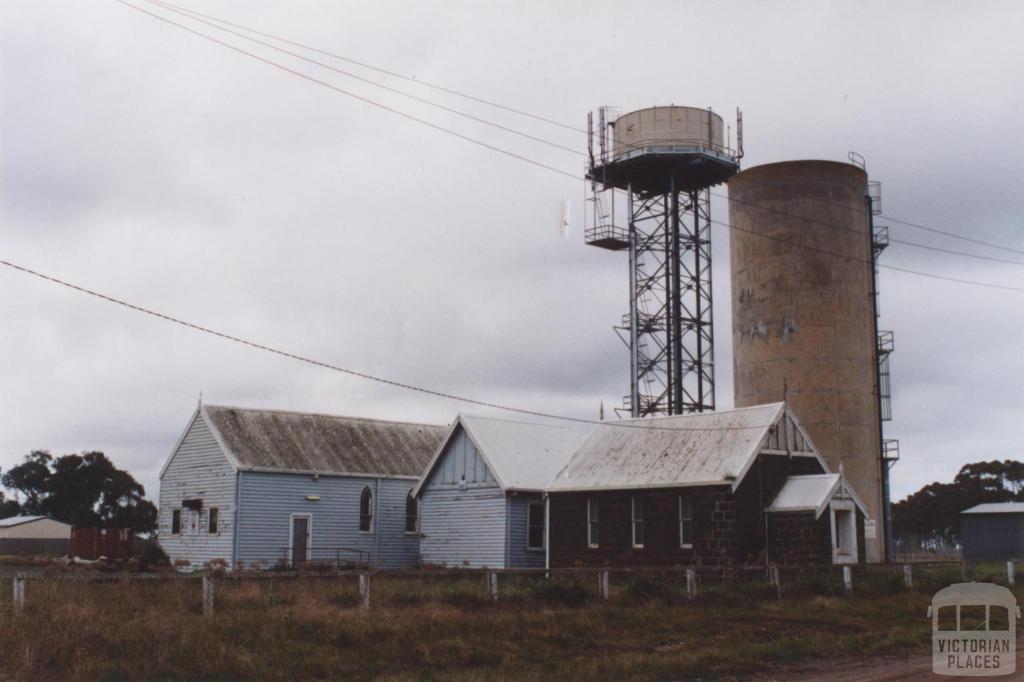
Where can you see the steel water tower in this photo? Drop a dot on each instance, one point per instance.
(650, 172)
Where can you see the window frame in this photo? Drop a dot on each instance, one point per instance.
(176, 521)
(637, 502)
(593, 523)
(685, 522)
(213, 521)
(530, 506)
(366, 494)
(410, 499)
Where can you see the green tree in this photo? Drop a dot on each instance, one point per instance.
(935, 508)
(83, 490)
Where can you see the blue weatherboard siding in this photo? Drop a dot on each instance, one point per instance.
(520, 556)
(267, 500)
(198, 469)
(472, 523)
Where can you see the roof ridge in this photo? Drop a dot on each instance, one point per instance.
(323, 414)
(563, 427)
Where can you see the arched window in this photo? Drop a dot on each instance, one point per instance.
(366, 510)
(412, 522)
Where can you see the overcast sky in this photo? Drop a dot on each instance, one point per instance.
(150, 164)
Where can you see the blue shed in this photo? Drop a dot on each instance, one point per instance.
(482, 496)
(265, 487)
(993, 531)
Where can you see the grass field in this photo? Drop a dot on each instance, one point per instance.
(445, 627)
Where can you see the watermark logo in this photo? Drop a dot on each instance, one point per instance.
(974, 630)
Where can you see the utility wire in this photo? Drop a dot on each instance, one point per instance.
(500, 149)
(368, 80)
(521, 112)
(190, 13)
(351, 372)
(377, 68)
(367, 100)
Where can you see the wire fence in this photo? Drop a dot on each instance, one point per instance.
(208, 591)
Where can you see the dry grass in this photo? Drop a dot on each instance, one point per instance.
(440, 627)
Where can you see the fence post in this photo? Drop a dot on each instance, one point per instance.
(492, 586)
(19, 593)
(691, 583)
(908, 575)
(207, 595)
(1011, 573)
(602, 584)
(773, 579)
(848, 580)
(364, 590)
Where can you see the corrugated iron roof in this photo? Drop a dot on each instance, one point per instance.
(18, 520)
(318, 443)
(996, 508)
(695, 449)
(805, 493)
(522, 455)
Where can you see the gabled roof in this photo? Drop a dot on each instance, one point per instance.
(298, 442)
(520, 455)
(996, 508)
(813, 493)
(708, 448)
(18, 520)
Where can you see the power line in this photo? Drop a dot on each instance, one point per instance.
(351, 372)
(367, 100)
(378, 69)
(567, 126)
(370, 81)
(815, 221)
(505, 151)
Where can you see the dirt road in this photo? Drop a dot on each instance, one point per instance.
(912, 668)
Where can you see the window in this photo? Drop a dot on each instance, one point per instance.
(593, 538)
(638, 522)
(535, 525)
(412, 522)
(212, 526)
(366, 511)
(685, 520)
(176, 522)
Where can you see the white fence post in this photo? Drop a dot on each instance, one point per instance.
(364, 590)
(691, 583)
(1011, 573)
(773, 579)
(207, 595)
(848, 580)
(19, 593)
(602, 584)
(492, 586)
(908, 575)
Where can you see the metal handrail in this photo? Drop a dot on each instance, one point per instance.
(328, 555)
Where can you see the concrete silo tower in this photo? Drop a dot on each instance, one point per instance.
(650, 172)
(804, 308)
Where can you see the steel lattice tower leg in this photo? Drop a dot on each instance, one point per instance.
(669, 325)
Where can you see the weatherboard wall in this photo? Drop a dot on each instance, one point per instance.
(463, 510)
(520, 555)
(268, 500)
(198, 469)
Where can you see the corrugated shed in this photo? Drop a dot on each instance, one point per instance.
(695, 449)
(274, 440)
(522, 455)
(996, 508)
(18, 520)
